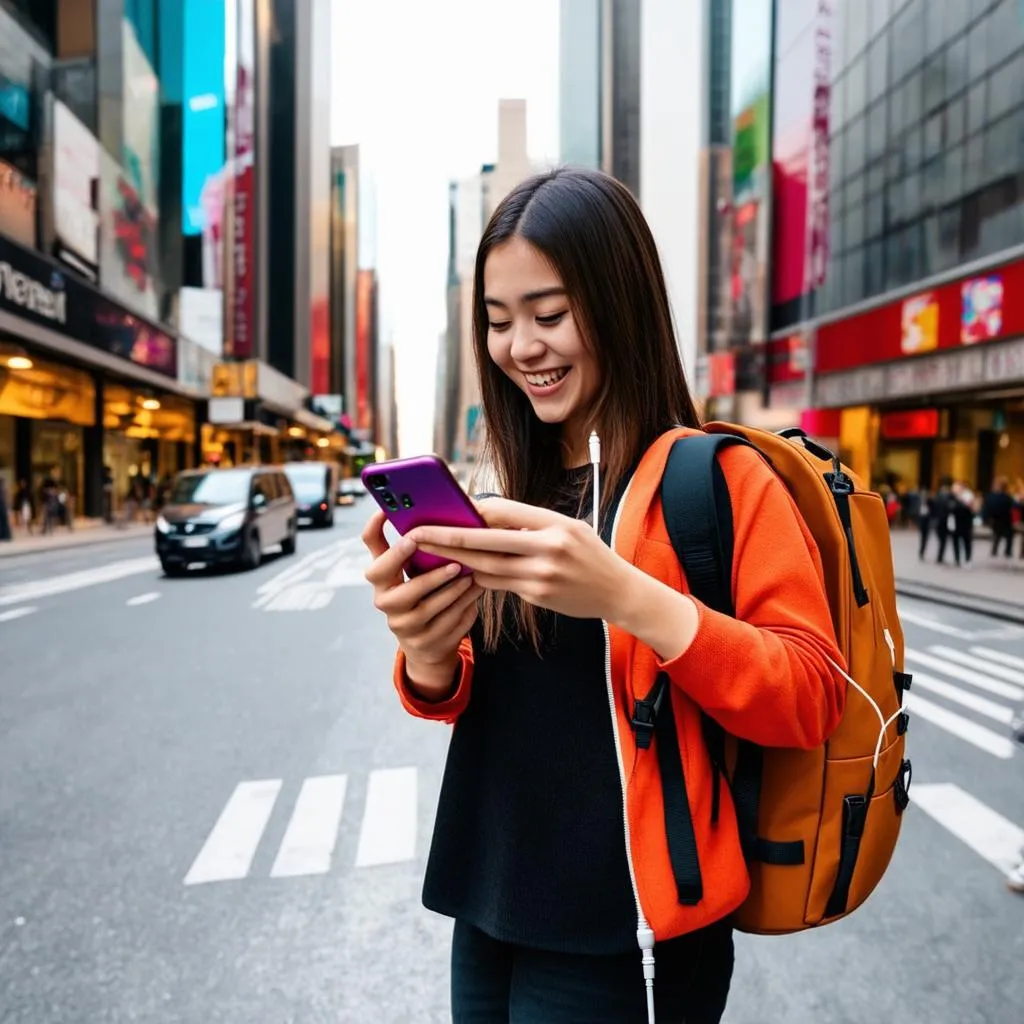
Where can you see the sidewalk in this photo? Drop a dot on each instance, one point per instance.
(86, 532)
(992, 586)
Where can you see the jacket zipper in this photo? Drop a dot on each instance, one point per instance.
(644, 932)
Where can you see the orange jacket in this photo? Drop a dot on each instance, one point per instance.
(763, 675)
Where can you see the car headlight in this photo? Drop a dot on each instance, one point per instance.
(231, 522)
(162, 525)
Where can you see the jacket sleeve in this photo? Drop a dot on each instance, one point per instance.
(767, 674)
(447, 710)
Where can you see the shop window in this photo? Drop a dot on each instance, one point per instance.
(956, 67)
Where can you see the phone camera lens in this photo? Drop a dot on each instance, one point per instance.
(389, 500)
(406, 501)
(377, 481)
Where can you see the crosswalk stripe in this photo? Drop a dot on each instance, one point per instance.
(974, 662)
(16, 593)
(984, 706)
(974, 823)
(977, 735)
(388, 834)
(17, 613)
(231, 845)
(999, 656)
(966, 675)
(308, 844)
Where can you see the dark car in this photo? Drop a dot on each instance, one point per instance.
(315, 486)
(221, 516)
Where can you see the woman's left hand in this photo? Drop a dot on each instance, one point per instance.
(546, 558)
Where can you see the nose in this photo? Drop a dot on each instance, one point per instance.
(526, 346)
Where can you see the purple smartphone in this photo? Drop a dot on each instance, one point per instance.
(420, 492)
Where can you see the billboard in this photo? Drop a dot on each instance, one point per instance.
(800, 145)
(76, 175)
(243, 187)
(141, 138)
(751, 145)
(203, 127)
(17, 205)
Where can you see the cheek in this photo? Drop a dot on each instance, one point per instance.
(500, 350)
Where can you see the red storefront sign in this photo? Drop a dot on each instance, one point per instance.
(910, 424)
(243, 304)
(721, 374)
(969, 311)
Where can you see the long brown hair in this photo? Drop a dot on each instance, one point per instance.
(593, 233)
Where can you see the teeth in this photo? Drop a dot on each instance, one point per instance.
(543, 380)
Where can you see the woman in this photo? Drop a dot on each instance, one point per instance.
(549, 848)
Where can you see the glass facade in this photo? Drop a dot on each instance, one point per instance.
(926, 140)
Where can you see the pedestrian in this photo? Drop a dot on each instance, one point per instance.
(553, 870)
(5, 522)
(943, 507)
(925, 520)
(997, 512)
(963, 524)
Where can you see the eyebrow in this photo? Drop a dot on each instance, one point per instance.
(543, 293)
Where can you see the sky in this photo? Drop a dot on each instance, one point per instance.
(416, 84)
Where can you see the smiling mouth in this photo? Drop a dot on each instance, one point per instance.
(547, 379)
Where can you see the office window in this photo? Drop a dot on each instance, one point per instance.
(856, 88)
(934, 82)
(956, 66)
(878, 67)
(855, 144)
(935, 25)
(907, 39)
(912, 148)
(1001, 148)
(877, 130)
(933, 135)
(976, 108)
(856, 29)
(959, 14)
(974, 164)
(977, 47)
(878, 14)
(874, 267)
(853, 277)
(953, 180)
(955, 115)
(874, 215)
(913, 98)
(1005, 30)
(853, 226)
(1006, 88)
(932, 180)
(855, 191)
(912, 197)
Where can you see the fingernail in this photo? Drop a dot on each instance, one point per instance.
(406, 546)
(454, 569)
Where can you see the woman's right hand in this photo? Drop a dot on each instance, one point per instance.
(429, 614)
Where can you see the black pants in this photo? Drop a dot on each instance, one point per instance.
(1002, 533)
(496, 983)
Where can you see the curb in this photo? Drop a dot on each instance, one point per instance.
(89, 538)
(1005, 611)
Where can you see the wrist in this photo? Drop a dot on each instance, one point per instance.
(658, 616)
(433, 681)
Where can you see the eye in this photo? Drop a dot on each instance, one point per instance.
(551, 319)
(499, 326)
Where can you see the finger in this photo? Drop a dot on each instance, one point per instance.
(386, 568)
(515, 515)
(414, 595)
(373, 534)
(455, 538)
(450, 622)
(478, 560)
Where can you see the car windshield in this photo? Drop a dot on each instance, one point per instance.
(307, 481)
(220, 487)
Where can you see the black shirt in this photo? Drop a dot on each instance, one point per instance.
(529, 844)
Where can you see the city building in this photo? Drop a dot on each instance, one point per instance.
(899, 235)
(94, 375)
(472, 201)
(580, 60)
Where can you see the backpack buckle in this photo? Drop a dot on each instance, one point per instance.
(645, 713)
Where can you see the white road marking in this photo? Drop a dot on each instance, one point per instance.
(308, 843)
(231, 845)
(984, 706)
(974, 823)
(977, 735)
(975, 662)
(388, 835)
(982, 682)
(134, 602)
(301, 597)
(16, 613)
(32, 591)
(999, 656)
(925, 621)
(299, 571)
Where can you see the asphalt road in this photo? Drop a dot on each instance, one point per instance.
(213, 810)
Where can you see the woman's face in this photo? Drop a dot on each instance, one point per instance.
(533, 337)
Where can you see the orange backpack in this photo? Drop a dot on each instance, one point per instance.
(818, 827)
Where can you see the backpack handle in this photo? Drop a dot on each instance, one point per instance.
(797, 433)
